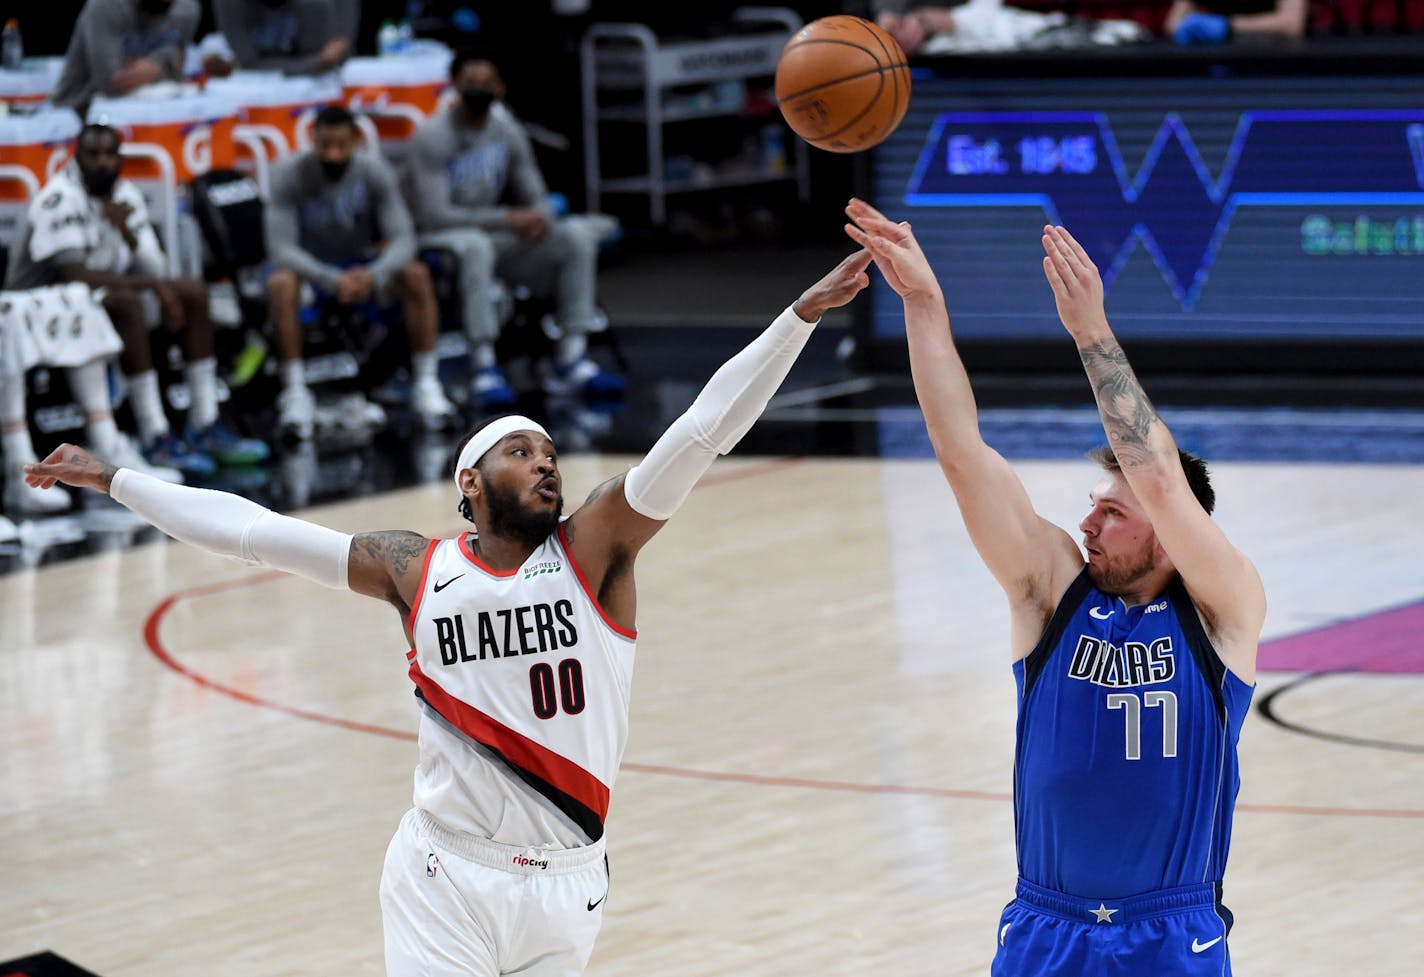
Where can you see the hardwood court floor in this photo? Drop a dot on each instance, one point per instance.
(817, 780)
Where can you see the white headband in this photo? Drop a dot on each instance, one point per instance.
(489, 436)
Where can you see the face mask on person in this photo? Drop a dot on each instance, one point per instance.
(99, 183)
(476, 101)
(334, 169)
(155, 8)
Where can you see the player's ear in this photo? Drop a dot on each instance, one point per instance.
(471, 481)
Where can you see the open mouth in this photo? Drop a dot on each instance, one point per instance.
(548, 489)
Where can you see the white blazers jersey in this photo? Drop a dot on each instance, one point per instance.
(528, 682)
(64, 220)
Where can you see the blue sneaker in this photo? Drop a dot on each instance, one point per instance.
(224, 445)
(490, 391)
(585, 378)
(168, 452)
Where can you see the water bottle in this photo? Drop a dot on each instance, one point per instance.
(405, 36)
(387, 38)
(12, 46)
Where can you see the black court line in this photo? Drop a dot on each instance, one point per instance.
(1267, 708)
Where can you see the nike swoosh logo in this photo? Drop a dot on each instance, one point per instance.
(1096, 612)
(1199, 947)
(441, 586)
(594, 905)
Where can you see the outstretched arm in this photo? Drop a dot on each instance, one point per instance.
(386, 566)
(1222, 581)
(624, 513)
(1032, 559)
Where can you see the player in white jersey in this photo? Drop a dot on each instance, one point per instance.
(522, 638)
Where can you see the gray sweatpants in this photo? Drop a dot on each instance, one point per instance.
(562, 264)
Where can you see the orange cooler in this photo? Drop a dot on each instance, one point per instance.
(398, 90)
(195, 130)
(277, 108)
(39, 143)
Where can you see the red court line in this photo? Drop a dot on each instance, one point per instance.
(152, 637)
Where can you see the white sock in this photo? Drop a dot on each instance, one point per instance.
(202, 378)
(422, 365)
(571, 349)
(147, 406)
(14, 431)
(483, 355)
(294, 373)
(90, 385)
(15, 442)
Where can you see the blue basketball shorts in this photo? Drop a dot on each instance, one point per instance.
(1170, 933)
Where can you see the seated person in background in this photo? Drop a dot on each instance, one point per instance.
(1217, 21)
(56, 326)
(299, 37)
(912, 28)
(88, 225)
(993, 25)
(336, 219)
(121, 45)
(477, 192)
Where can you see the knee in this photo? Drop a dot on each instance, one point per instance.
(415, 280)
(283, 286)
(475, 252)
(124, 309)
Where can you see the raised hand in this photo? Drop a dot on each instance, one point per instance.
(1077, 286)
(840, 285)
(896, 252)
(71, 465)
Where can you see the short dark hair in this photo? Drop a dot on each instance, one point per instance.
(469, 54)
(93, 129)
(1198, 476)
(334, 115)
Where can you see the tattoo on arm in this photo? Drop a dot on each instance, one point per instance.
(602, 490)
(1127, 414)
(394, 550)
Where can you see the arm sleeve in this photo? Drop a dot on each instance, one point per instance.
(57, 226)
(184, 17)
(102, 33)
(148, 256)
(724, 411)
(430, 195)
(395, 222)
(232, 526)
(283, 234)
(527, 183)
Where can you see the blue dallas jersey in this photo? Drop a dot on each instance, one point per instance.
(1125, 769)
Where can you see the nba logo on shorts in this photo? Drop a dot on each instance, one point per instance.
(432, 865)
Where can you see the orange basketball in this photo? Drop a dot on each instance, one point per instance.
(842, 83)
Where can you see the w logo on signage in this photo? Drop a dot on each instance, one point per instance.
(1068, 164)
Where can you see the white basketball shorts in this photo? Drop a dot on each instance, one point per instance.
(458, 906)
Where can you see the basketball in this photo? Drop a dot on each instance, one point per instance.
(842, 83)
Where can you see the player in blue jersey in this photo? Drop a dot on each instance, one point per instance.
(1134, 668)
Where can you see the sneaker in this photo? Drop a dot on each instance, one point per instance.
(9, 532)
(428, 399)
(123, 454)
(490, 391)
(223, 445)
(296, 413)
(24, 499)
(168, 451)
(583, 377)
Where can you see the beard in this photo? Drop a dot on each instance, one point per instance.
(1118, 575)
(510, 519)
